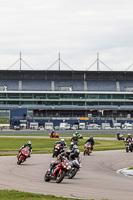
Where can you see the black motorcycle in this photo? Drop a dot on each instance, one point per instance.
(119, 136)
(129, 146)
(75, 166)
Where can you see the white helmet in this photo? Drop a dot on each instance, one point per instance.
(62, 140)
(29, 142)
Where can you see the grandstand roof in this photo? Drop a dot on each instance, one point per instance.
(61, 75)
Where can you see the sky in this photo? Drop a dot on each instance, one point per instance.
(80, 30)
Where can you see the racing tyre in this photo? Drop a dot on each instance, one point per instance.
(127, 150)
(60, 177)
(72, 173)
(20, 161)
(46, 177)
(84, 152)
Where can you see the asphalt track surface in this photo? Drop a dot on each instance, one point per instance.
(97, 178)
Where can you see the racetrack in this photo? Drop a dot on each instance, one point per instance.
(97, 178)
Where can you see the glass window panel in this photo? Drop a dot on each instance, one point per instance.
(117, 96)
(66, 96)
(2, 96)
(40, 96)
(92, 96)
(79, 96)
(53, 96)
(13, 96)
(129, 96)
(26, 96)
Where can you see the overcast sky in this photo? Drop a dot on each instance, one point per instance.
(78, 29)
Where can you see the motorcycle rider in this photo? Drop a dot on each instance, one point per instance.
(91, 140)
(52, 133)
(76, 133)
(74, 155)
(62, 142)
(129, 137)
(29, 147)
(119, 136)
(74, 139)
(71, 145)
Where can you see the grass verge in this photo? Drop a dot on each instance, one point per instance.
(10, 146)
(16, 195)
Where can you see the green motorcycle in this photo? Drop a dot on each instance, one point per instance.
(79, 135)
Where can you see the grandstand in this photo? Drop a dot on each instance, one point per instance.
(56, 93)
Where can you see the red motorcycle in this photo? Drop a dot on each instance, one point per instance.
(58, 170)
(57, 150)
(23, 155)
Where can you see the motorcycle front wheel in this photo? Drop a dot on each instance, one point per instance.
(84, 152)
(127, 150)
(72, 173)
(55, 154)
(60, 177)
(20, 161)
(46, 177)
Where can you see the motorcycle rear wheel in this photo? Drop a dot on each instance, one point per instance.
(60, 177)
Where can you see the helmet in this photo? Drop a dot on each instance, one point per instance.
(76, 132)
(76, 152)
(129, 135)
(71, 144)
(91, 137)
(62, 140)
(68, 151)
(75, 146)
(29, 143)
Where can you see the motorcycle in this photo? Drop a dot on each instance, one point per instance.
(55, 135)
(23, 155)
(57, 150)
(87, 149)
(79, 135)
(119, 136)
(129, 146)
(75, 167)
(58, 171)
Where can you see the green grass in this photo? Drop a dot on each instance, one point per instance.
(16, 195)
(10, 146)
(4, 121)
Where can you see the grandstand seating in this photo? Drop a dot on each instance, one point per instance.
(36, 85)
(11, 84)
(76, 85)
(101, 85)
(66, 85)
(126, 86)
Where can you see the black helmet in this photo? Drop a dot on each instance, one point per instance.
(91, 137)
(76, 152)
